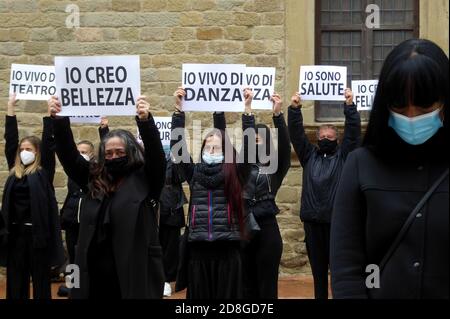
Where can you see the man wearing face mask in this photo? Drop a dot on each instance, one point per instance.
(322, 165)
(70, 212)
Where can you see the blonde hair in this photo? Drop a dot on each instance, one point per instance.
(19, 170)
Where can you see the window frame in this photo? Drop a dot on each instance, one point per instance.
(367, 38)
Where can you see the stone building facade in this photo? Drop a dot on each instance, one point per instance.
(167, 33)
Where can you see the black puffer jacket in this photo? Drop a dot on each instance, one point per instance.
(210, 215)
(321, 172)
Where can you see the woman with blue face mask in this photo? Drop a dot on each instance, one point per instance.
(30, 234)
(391, 213)
(215, 215)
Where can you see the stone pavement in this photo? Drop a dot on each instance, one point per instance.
(292, 287)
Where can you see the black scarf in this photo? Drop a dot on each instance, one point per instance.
(209, 176)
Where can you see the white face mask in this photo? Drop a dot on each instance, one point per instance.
(86, 157)
(213, 159)
(27, 157)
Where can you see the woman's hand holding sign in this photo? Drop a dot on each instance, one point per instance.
(277, 104)
(296, 101)
(12, 103)
(142, 108)
(54, 106)
(348, 97)
(248, 98)
(179, 94)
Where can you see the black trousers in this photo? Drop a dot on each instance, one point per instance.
(261, 261)
(103, 278)
(71, 240)
(169, 237)
(214, 270)
(24, 261)
(317, 238)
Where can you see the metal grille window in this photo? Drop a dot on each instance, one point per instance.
(342, 38)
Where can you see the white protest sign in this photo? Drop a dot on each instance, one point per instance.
(88, 119)
(262, 82)
(364, 94)
(213, 87)
(323, 83)
(107, 85)
(164, 125)
(32, 82)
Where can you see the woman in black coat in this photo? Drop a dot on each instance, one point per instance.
(403, 155)
(216, 213)
(118, 249)
(171, 213)
(262, 253)
(30, 234)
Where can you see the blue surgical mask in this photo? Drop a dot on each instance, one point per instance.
(166, 149)
(416, 130)
(212, 159)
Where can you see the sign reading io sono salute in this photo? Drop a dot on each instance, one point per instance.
(107, 85)
(323, 83)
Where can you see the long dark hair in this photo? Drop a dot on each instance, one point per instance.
(233, 179)
(103, 183)
(414, 73)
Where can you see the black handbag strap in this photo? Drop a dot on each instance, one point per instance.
(411, 218)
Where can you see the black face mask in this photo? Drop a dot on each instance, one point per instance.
(117, 167)
(327, 146)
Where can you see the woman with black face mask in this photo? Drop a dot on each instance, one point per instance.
(322, 167)
(118, 249)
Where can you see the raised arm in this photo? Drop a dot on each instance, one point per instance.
(48, 148)
(352, 131)
(11, 132)
(347, 251)
(248, 122)
(302, 146)
(75, 166)
(284, 143)
(155, 161)
(219, 121)
(103, 129)
(178, 145)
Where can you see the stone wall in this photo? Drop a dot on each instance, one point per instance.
(165, 33)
